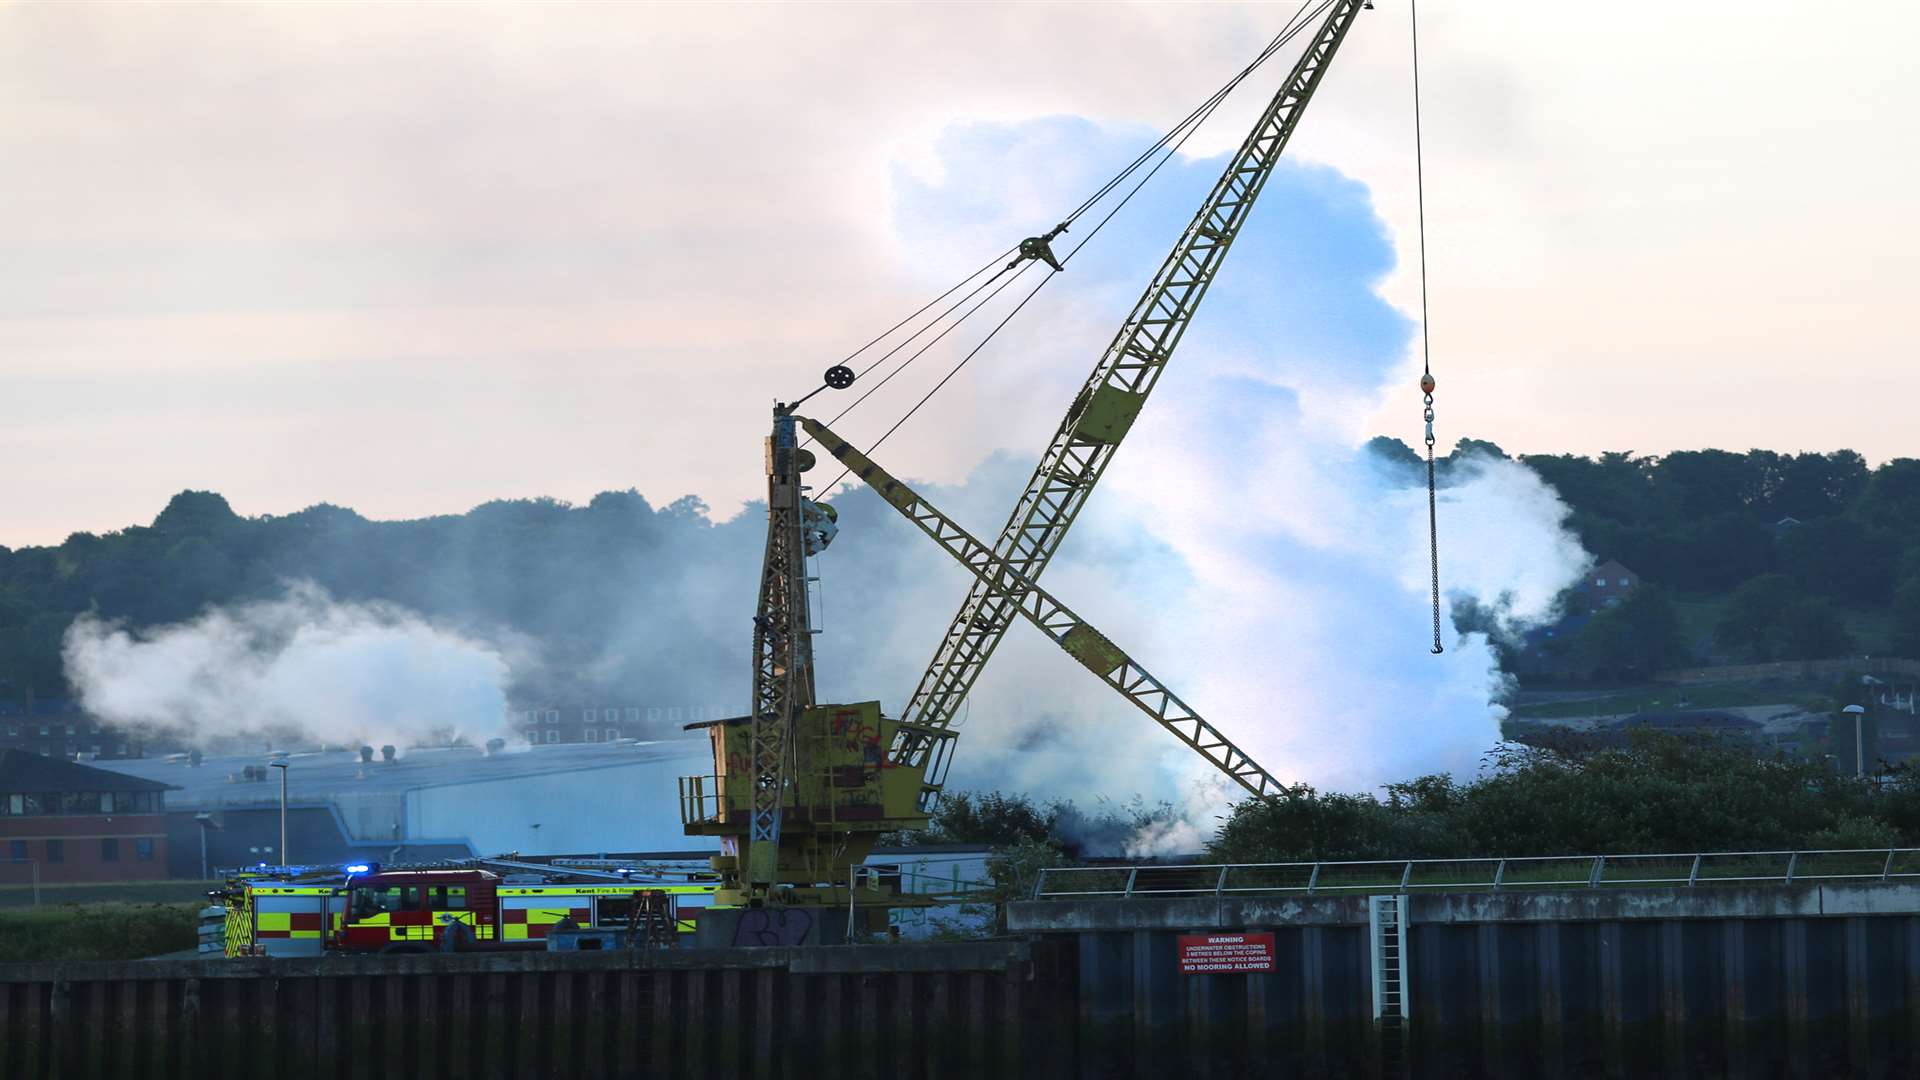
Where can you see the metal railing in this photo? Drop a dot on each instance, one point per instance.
(1464, 875)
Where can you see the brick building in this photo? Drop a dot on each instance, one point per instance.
(76, 823)
(550, 724)
(60, 728)
(1608, 584)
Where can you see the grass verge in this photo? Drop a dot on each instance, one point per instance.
(96, 931)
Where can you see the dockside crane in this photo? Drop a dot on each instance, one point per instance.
(801, 790)
(1117, 389)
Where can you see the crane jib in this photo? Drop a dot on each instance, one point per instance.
(1081, 640)
(1117, 390)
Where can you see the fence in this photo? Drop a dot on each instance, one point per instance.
(1465, 875)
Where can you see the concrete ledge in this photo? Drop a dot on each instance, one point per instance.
(1529, 906)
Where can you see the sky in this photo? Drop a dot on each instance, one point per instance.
(408, 258)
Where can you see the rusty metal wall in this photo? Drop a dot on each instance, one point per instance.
(1802, 993)
(893, 1011)
(1777, 997)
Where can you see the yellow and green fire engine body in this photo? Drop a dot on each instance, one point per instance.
(408, 910)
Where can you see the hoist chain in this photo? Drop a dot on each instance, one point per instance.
(1433, 514)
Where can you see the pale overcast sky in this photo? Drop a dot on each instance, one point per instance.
(408, 258)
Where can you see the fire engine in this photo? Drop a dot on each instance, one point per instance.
(364, 908)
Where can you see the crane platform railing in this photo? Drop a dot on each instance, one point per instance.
(1689, 870)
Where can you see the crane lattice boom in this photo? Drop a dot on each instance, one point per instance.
(998, 579)
(1114, 394)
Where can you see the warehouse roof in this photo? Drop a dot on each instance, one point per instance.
(222, 780)
(22, 772)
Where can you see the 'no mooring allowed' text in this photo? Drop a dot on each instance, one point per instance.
(1204, 954)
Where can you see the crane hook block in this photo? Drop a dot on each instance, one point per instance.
(1039, 247)
(1427, 384)
(839, 376)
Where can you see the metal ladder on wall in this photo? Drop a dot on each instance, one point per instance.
(1387, 934)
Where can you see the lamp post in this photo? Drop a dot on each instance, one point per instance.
(205, 821)
(1859, 714)
(282, 766)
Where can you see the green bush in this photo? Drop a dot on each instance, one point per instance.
(97, 931)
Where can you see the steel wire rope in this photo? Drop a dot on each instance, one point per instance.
(1426, 346)
(936, 339)
(1184, 129)
(1286, 34)
(1280, 39)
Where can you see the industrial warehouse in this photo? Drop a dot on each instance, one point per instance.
(1382, 760)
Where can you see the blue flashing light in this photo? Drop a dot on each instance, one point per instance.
(358, 868)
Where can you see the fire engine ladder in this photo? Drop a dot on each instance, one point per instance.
(1387, 932)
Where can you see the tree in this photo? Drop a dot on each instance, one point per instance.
(1393, 453)
(1769, 618)
(1750, 625)
(1808, 486)
(1841, 558)
(1811, 630)
(1636, 638)
(1699, 483)
(1892, 496)
(1906, 620)
(1658, 793)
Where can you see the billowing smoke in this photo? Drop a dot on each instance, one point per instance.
(303, 667)
(1246, 546)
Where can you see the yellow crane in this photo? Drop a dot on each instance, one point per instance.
(800, 790)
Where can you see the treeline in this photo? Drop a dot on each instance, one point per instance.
(578, 579)
(1789, 541)
(1659, 793)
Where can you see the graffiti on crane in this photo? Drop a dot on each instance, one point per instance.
(773, 927)
(861, 738)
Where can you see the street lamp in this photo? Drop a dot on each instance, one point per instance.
(282, 766)
(205, 821)
(1859, 714)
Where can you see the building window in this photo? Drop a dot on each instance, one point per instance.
(56, 851)
(533, 736)
(1600, 582)
(592, 735)
(17, 850)
(143, 849)
(109, 849)
(589, 716)
(553, 736)
(633, 714)
(553, 717)
(612, 734)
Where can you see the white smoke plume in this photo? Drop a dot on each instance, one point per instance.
(1246, 547)
(345, 674)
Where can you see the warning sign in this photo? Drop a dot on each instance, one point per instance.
(1206, 953)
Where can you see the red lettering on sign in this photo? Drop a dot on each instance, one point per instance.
(1205, 954)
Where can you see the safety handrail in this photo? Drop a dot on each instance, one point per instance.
(1689, 870)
